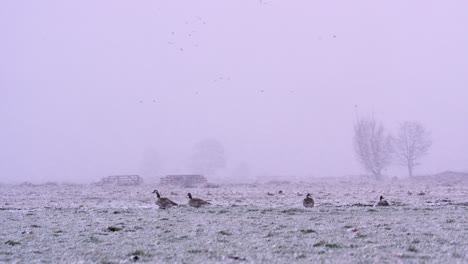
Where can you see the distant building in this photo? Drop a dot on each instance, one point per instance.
(452, 174)
(185, 180)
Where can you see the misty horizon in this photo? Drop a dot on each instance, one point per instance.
(91, 89)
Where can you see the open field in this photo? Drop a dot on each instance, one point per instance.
(427, 223)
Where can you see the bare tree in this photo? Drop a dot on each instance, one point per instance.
(151, 164)
(209, 156)
(412, 142)
(373, 146)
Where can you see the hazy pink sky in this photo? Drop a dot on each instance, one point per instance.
(92, 88)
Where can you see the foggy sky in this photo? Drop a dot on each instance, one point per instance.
(94, 88)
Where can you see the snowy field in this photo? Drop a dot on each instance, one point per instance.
(427, 222)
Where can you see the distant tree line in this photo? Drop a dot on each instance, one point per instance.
(209, 156)
(376, 149)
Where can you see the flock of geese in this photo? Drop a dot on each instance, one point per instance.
(164, 202)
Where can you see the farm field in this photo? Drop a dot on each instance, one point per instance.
(426, 223)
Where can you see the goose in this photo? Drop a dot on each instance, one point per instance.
(382, 202)
(163, 203)
(308, 201)
(196, 202)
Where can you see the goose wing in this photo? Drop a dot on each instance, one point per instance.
(196, 202)
(168, 201)
(383, 203)
(308, 202)
(200, 201)
(165, 202)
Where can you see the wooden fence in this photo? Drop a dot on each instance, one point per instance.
(187, 180)
(121, 180)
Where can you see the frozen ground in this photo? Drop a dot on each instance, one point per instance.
(90, 224)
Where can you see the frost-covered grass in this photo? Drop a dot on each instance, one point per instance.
(68, 224)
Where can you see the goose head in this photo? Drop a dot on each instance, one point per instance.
(189, 195)
(157, 193)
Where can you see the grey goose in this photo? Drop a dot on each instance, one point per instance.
(196, 202)
(382, 202)
(308, 201)
(163, 203)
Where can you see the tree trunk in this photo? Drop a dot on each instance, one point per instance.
(410, 170)
(377, 175)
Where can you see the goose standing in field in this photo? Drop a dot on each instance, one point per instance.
(196, 202)
(163, 203)
(382, 202)
(308, 201)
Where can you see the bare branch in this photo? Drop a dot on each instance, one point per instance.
(412, 143)
(372, 145)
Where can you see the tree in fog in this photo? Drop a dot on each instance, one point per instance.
(411, 143)
(242, 171)
(151, 164)
(373, 146)
(209, 156)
